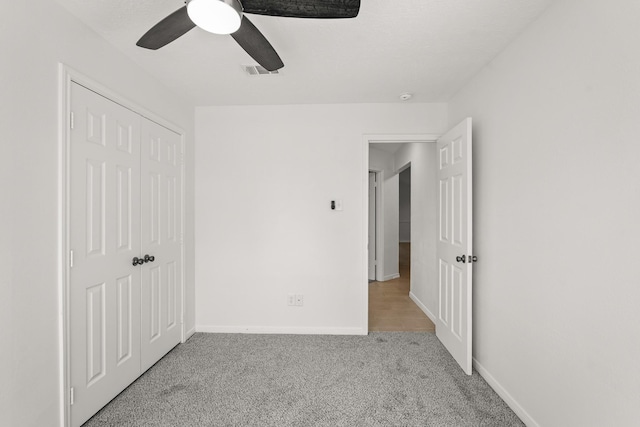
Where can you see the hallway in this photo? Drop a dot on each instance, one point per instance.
(390, 308)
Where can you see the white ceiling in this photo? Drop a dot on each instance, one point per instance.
(429, 48)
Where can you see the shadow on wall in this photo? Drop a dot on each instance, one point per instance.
(404, 212)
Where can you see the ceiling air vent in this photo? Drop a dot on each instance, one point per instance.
(257, 70)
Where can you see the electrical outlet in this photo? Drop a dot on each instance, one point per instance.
(299, 300)
(291, 299)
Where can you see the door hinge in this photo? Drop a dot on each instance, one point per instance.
(71, 120)
(71, 396)
(70, 259)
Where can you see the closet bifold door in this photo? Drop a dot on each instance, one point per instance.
(125, 238)
(161, 237)
(104, 236)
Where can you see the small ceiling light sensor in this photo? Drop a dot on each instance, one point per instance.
(405, 96)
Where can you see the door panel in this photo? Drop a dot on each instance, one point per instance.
(457, 224)
(443, 213)
(95, 193)
(443, 292)
(172, 306)
(454, 327)
(125, 324)
(104, 224)
(96, 334)
(124, 212)
(161, 238)
(154, 303)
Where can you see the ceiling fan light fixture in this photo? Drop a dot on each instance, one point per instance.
(216, 16)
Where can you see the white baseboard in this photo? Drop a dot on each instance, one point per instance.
(423, 307)
(505, 395)
(280, 330)
(390, 277)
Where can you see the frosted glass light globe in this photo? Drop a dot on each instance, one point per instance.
(216, 16)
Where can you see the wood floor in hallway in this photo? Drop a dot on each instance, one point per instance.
(390, 308)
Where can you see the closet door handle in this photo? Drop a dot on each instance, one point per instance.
(462, 258)
(137, 261)
(149, 258)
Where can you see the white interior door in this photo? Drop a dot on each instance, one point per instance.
(454, 246)
(161, 240)
(104, 236)
(372, 226)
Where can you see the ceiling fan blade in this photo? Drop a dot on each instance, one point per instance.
(167, 30)
(303, 8)
(257, 46)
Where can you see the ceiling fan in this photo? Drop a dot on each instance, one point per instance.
(228, 17)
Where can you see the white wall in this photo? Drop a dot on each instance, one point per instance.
(422, 157)
(380, 160)
(264, 179)
(557, 203)
(34, 37)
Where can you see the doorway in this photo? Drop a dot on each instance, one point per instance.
(443, 256)
(391, 306)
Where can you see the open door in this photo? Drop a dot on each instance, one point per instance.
(454, 246)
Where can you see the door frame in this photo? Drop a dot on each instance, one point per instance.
(67, 76)
(366, 140)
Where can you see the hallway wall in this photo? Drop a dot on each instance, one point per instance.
(424, 279)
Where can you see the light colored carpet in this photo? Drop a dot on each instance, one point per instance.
(383, 379)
